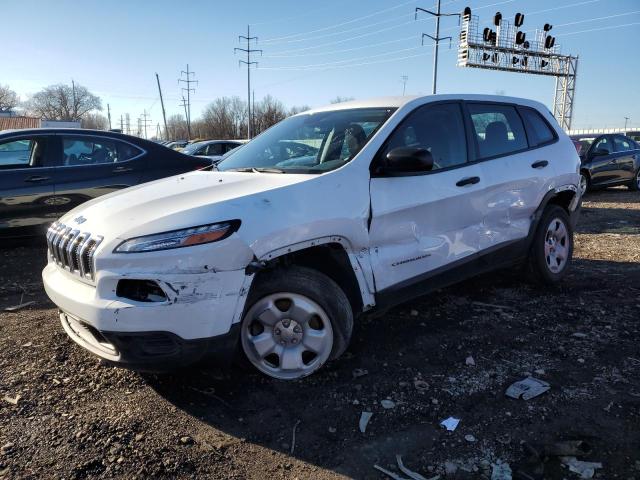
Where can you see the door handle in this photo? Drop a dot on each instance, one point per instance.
(539, 164)
(122, 169)
(468, 181)
(36, 178)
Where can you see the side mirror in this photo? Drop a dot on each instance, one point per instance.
(407, 160)
(601, 152)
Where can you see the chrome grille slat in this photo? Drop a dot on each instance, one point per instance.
(72, 249)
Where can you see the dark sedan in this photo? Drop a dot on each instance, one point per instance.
(608, 160)
(47, 172)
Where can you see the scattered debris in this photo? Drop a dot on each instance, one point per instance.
(186, 440)
(539, 371)
(406, 471)
(501, 471)
(359, 372)
(28, 344)
(414, 313)
(293, 436)
(364, 420)
(470, 438)
(470, 361)
(491, 305)
(20, 306)
(421, 385)
(450, 423)
(333, 429)
(584, 469)
(12, 400)
(527, 389)
(388, 473)
(6, 448)
(387, 404)
(579, 335)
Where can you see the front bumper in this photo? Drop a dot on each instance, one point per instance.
(199, 317)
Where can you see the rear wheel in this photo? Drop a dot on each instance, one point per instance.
(635, 183)
(552, 246)
(296, 319)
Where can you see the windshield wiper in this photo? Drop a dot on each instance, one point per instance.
(256, 170)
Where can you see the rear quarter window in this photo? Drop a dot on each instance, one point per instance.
(538, 130)
(498, 129)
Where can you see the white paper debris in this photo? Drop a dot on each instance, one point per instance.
(501, 471)
(584, 469)
(387, 404)
(528, 388)
(470, 361)
(450, 423)
(364, 420)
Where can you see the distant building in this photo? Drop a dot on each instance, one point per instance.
(11, 121)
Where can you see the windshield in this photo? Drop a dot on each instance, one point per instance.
(311, 143)
(190, 149)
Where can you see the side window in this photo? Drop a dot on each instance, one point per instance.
(538, 130)
(603, 143)
(622, 144)
(230, 146)
(127, 151)
(83, 150)
(437, 128)
(215, 149)
(23, 153)
(498, 129)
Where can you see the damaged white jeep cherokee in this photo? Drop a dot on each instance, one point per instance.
(327, 215)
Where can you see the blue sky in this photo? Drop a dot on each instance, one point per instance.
(312, 51)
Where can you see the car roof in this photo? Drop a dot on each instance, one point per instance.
(398, 102)
(73, 131)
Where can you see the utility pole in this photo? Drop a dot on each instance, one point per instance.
(145, 121)
(109, 115)
(164, 115)
(248, 63)
(73, 92)
(184, 104)
(158, 134)
(253, 110)
(404, 79)
(435, 38)
(626, 119)
(188, 81)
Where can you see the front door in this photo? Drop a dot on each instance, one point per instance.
(625, 157)
(27, 201)
(601, 161)
(425, 221)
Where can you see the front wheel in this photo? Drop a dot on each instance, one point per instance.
(552, 247)
(296, 319)
(635, 183)
(584, 183)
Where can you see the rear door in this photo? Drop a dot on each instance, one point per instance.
(93, 165)
(625, 154)
(425, 222)
(26, 184)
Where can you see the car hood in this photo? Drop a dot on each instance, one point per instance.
(172, 203)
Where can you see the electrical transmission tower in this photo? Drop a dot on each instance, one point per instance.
(436, 39)
(248, 63)
(188, 89)
(128, 123)
(145, 120)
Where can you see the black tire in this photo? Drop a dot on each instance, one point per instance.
(317, 287)
(635, 183)
(541, 269)
(585, 175)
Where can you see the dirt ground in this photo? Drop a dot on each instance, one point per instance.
(76, 418)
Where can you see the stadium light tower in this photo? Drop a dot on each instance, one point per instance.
(503, 46)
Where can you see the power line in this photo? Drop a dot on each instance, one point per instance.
(248, 63)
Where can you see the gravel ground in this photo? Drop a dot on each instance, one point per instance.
(63, 414)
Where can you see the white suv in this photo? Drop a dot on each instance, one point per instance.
(328, 215)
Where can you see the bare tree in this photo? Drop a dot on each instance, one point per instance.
(64, 102)
(340, 99)
(298, 109)
(268, 112)
(94, 121)
(177, 127)
(8, 99)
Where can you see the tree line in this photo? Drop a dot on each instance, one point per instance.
(223, 118)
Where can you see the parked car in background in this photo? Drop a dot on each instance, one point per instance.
(608, 160)
(212, 149)
(47, 172)
(277, 258)
(177, 144)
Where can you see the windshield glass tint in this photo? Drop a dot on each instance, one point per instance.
(190, 149)
(309, 143)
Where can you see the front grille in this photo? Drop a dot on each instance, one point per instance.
(73, 249)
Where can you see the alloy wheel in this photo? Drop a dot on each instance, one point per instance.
(583, 184)
(287, 335)
(556, 245)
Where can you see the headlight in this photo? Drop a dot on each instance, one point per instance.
(179, 238)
